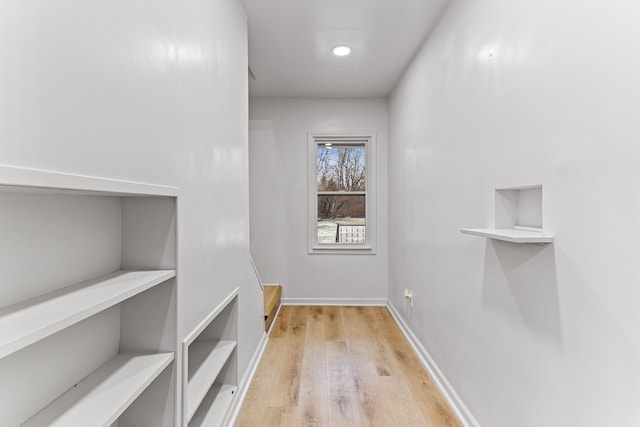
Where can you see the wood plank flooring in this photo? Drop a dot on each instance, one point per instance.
(341, 366)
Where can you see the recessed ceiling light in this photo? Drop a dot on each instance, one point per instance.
(341, 50)
(328, 144)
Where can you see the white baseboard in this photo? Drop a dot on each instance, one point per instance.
(335, 301)
(246, 381)
(457, 405)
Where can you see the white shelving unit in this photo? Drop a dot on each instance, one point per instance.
(210, 366)
(27, 322)
(103, 396)
(518, 217)
(88, 316)
(214, 408)
(208, 357)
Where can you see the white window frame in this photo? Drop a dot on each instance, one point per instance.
(369, 141)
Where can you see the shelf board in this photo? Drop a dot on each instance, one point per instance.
(29, 321)
(214, 407)
(205, 359)
(48, 182)
(509, 235)
(100, 398)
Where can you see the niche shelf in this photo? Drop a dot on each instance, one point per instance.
(518, 217)
(105, 394)
(210, 366)
(215, 406)
(509, 235)
(24, 323)
(88, 326)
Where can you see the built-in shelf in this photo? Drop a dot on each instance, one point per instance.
(25, 180)
(210, 365)
(212, 410)
(206, 360)
(29, 321)
(518, 216)
(97, 352)
(100, 398)
(510, 235)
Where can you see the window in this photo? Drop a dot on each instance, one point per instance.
(341, 194)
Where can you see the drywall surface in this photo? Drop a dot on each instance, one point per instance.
(508, 93)
(278, 131)
(154, 92)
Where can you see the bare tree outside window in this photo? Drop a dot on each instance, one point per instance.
(341, 180)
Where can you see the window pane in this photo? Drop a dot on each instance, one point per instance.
(341, 219)
(341, 167)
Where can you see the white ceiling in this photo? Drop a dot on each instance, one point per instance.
(290, 45)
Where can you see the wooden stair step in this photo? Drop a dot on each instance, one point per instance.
(272, 294)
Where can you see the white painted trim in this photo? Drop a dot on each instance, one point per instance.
(520, 187)
(369, 139)
(274, 318)
(457, 405)
(201, 327)
(12, 176)
(246, 381)
(344, 250)
(255, 270)
(336, 301)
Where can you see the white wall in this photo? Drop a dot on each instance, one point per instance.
(144, 91)
(507, 93)
(278, 174)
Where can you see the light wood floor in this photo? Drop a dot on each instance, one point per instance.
(341, 366)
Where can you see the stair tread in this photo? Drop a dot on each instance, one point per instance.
(271, 303)
(271, 297)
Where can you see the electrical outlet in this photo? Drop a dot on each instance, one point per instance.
(408, 295)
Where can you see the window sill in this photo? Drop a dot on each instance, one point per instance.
(342, 250)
